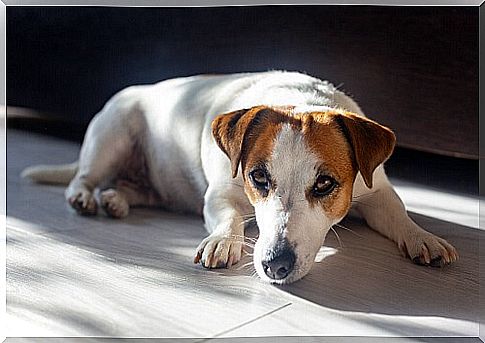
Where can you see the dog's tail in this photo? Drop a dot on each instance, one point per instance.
(60, 174)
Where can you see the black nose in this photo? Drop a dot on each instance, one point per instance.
(280, 265)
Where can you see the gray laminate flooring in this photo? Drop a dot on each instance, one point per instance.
(94, 276)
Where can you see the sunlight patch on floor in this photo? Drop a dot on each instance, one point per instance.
(324, 252)
(454, 208)
(22, 225)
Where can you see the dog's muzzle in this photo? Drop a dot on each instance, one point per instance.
(279, 262)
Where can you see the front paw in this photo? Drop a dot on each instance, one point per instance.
(424, 248)
(219, 251)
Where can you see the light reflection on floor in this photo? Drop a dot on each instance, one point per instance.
(454, 208)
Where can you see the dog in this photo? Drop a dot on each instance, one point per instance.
(285, 148)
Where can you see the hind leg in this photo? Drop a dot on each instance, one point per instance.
(109, 141)
(117, 201)
(100, 159)
(93, 168)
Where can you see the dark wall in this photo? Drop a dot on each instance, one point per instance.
(412, 68)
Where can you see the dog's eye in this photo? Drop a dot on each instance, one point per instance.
(324, 185)
(260, 179)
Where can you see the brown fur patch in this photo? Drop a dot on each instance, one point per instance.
(371, 143)
(346, 143)
(230, 129)
(237, 132)
(258, 151)
(324, 138)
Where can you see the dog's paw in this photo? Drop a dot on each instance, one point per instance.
(219, 251)
(84, 203)
(114, 203)
(427, 249)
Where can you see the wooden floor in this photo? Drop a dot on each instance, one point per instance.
(75, 276)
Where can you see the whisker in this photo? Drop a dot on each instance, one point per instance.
(245, 244)
(244, 265)
(254, 240)
(236, 240)
(234, 184)
(246, 215)
(236, 235)
(338, 237)
(362, 203)
(346, 228)
(249, 220)
(364, 195)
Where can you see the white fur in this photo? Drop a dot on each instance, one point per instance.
(286, 214)
(169, 123)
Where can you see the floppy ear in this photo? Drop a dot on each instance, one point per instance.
(371, 143)
(229, 131)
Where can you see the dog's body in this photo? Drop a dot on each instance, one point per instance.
(299, 147)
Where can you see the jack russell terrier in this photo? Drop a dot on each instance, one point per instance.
(289, 149)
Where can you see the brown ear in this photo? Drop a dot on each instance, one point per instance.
(371, 143)
(229, 131)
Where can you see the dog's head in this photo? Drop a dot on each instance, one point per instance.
(298, 171)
